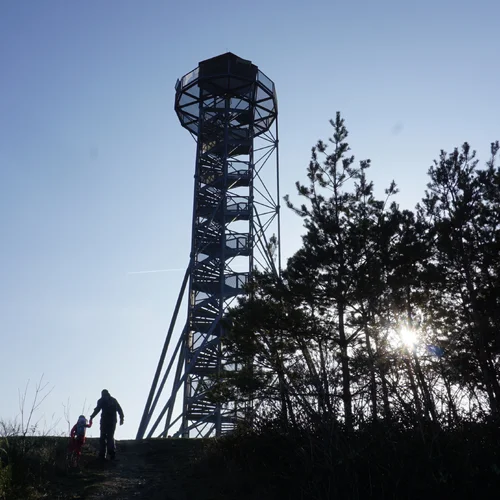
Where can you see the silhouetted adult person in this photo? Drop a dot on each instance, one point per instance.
(109, 407)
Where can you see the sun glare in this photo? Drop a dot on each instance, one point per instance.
(408, 337)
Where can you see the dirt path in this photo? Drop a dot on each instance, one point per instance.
(149, 469)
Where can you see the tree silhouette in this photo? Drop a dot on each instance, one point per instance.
(321, 342)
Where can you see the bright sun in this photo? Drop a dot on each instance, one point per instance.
(408, 337)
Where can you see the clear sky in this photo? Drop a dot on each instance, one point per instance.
(96, 173)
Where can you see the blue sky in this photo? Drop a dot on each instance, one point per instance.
(96, 173)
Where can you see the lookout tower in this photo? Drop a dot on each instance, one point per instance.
(230, 108)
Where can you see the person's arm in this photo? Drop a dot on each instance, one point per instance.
(97, 409)
(73, 432)
(120, 412)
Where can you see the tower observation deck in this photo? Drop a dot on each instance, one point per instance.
(230, 108)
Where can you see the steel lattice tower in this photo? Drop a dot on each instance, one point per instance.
(230, 108)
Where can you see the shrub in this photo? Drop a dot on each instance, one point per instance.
(29, 463)
(381, 461)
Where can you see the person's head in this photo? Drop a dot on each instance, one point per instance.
(105, 393)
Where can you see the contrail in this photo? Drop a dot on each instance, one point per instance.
(155, 271)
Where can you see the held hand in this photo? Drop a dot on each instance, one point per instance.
(90, 423)
(121, 421)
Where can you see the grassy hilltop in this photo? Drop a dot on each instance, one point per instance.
(371, 464)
